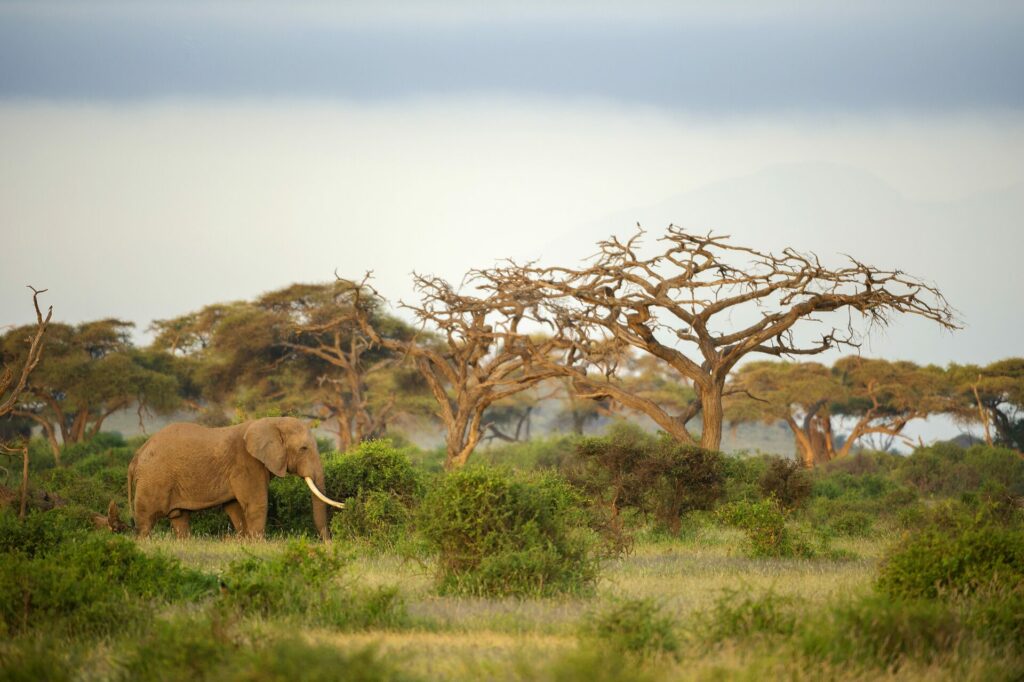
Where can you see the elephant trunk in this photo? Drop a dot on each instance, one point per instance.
(320, 502)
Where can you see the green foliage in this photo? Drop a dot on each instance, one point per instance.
(39, 532)
(362, 478)
(180, 649)
(550, 452)
(86, 582)
(738, 615)
(376, 517)
(877, 631)
(291, 659)
(949, 470)
(205, 649)
(304, 581)
(656, 475)
(954, 556)
(499, 533)
(30, 659)
(634, 626)
(767, 532)
(787, 481)
(743, 475)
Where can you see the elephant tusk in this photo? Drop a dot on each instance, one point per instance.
(323, 498)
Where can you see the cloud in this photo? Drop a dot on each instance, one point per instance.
(734, 59)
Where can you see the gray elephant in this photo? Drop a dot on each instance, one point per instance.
(186, 467)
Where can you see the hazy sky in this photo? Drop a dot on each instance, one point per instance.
(158, 157)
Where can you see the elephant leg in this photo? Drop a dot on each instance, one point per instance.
(234, 512)
(255, 513)
(145, 519)
(179, 522)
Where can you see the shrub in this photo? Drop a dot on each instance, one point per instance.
(629, 469)
(537, 453)
(354, 477)
(738, 615)
(303, 581)
(180, 649)
(878, 631)
(594, 663)
(91, 582)
(37, 658)
(202, 650)
(787, 481)
(955, 556)
(634, 626)
(997, 616)
(947, 469)
(282, 661)
(743, 476)
(376, 516)
(499, 533)
(765, 525)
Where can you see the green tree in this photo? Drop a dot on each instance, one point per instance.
(862, 397)
(90, 371)
(993, 397)
(299, 350)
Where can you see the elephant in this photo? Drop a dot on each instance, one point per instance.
(186, 467)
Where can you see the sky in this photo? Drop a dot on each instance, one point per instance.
(158, 157)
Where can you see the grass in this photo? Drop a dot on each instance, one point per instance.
(456, 638)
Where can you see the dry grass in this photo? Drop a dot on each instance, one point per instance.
(469, 638)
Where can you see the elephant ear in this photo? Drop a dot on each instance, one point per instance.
(264, 442)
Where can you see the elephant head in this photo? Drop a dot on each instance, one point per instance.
(285, 446)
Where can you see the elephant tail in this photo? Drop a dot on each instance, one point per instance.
(131, 478)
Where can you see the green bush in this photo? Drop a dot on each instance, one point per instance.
(181, 649)
(633, 626)
(39, 532)
(538, 453)
(743, 475)
(30, 659)
(655, 475)
(767, 532)
(738, 614)
(594, 663)
(90, 583)
(377, 517)
(304, 581)
(787, 481)
(954, 556)
(877, 631)
(950, 470)
(292, 659)
(203, 649)
(499, 533)
(997, 616)
(352, 477)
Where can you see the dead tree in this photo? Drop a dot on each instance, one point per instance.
(477, 358)
(341, 342)
(700, 306)
(13, 382)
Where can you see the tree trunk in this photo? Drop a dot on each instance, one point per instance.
(711, 417)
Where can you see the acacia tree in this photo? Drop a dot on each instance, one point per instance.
(298, 350)
(992, 396)
(90, 371)
(478, 357)
(700, 306)
(862, 397)
(796, 393)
